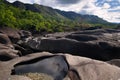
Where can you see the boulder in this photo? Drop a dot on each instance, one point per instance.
(25, 34)
(98, 44)
(13, 34)
(8, 66)
(22, 50)
(88, 69)
(4, 39)
(81, 37)
(97, 50)
(78, 68)
(115, 62)
(7, 53)
(7, 50)
(54, 66)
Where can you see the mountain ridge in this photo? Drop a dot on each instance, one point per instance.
(67, 14)
(44, 18)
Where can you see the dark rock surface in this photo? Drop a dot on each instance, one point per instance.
(54, 66)
(101, 44)
(25, 34)
(81, 37)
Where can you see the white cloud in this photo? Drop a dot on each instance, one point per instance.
(51, 3)
(106, 6)
(74, 7)
(86, 7)
(25, 1)
(108, 0)
(11, 0)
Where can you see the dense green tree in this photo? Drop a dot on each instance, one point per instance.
(7, 18)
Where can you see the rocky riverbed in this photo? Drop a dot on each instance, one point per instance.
(80, 55)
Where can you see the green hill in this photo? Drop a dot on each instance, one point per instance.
(45, 19)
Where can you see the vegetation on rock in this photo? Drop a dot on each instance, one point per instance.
(38, 76)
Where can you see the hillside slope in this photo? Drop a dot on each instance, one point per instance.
(45, 19)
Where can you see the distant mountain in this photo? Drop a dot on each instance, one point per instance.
(55, 12)
(43, 18)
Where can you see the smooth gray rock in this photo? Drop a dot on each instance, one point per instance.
(55, 66)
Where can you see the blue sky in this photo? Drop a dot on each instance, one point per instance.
(107, 9)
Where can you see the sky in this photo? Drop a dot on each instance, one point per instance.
(107, 9)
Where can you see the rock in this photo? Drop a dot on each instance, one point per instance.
(88, 69)
(81, 37)
(73, 75)
(22, 51)
(115, 62)
(25, 34)
(13, 34)
(100, 44)
(7, 50)
(7, 53)
(54, 66)
(58, 35)
(4, 39)
(8, 66)
(99, 50)
(66, 78)
(97, 31)
(94, 28)
(80, 68)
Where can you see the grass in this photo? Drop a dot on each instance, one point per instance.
(38, 76)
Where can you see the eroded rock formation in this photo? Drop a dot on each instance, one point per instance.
(80, 68)
(101, 44)
(7, 50)
(18, 57)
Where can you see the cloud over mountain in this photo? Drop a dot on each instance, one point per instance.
(106, 9)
